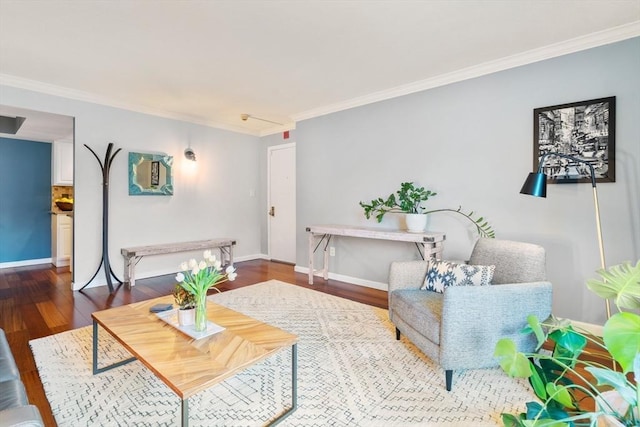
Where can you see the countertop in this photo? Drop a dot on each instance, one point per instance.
(62, 213)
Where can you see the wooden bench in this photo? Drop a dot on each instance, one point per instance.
(133, 255)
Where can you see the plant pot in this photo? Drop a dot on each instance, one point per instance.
(416, 223)
(187, 317)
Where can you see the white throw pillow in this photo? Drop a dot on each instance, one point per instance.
(442, 274)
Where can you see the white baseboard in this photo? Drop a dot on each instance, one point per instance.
(155, 273)
(252, 257)
(61, 262)
(589, 327)
(347, 279)
(25, 262)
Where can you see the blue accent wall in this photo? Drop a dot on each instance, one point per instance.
(25, 200)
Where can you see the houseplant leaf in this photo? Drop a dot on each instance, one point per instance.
(621, 283)
(621, 335)
(537, 381)
(617, 380)
(539, 415)
(536, 328)
(560, 394)
(509, 420)
(514, 363)
(569, 343)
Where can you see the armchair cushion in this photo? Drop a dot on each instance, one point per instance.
(442, 274)
(516, 262)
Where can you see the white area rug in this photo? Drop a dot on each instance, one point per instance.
(351, 372)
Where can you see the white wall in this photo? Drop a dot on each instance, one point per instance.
(212, 201)
(471, 142)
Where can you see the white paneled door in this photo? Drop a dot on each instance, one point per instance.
(282, 202)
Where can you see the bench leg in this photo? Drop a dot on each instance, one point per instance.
(130, 271)
(127, 262)
(311, 252)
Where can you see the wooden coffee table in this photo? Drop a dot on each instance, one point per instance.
(186, 365)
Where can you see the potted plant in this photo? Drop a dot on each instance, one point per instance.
(198, 277)
(186, 302)
(603, 395)
(408, 199)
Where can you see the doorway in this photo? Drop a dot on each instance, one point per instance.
(281, 170)
(56, 233)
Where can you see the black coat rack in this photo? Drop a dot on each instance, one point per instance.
(108, 272)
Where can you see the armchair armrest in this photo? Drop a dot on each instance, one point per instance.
(407, 274)
(23, 416)
(474, 318)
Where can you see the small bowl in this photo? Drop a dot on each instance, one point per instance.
(65, 206)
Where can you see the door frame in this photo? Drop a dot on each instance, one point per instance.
(269, 150)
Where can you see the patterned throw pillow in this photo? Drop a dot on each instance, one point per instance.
(442, 274)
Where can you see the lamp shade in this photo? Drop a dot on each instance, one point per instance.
(535, 185)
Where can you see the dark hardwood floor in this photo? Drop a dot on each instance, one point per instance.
(37, 301)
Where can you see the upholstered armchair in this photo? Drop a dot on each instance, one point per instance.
(460, 327)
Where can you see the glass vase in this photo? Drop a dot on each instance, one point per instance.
(201, 312)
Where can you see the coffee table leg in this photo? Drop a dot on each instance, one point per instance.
(294, 386)
(294, 377)
(185, 412)
(97, 370)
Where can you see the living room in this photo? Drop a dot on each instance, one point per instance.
(426, 134)
(468, 139)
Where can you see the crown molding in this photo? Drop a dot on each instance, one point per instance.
(273, 130)
(64, 92)
(577, 44)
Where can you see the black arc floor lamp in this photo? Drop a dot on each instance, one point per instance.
(536, 185)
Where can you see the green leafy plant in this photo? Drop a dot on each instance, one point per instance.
(183, 298)
(409, 199)
(564, 402)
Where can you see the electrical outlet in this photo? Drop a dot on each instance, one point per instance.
(332, 251)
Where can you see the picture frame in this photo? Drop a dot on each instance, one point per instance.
(584, 130)
(150, 174)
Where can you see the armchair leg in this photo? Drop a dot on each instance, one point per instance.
(397, 334)
(448, 375)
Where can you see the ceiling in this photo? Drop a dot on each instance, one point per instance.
(209, 62)
(39, 126)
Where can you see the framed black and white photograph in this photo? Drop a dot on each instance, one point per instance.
(584, 130)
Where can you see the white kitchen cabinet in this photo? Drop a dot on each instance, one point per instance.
(62, 163)
(61, 240)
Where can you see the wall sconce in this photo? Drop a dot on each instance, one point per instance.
(189, 154)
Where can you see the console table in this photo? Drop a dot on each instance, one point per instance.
(429, 243)
(133, 255)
